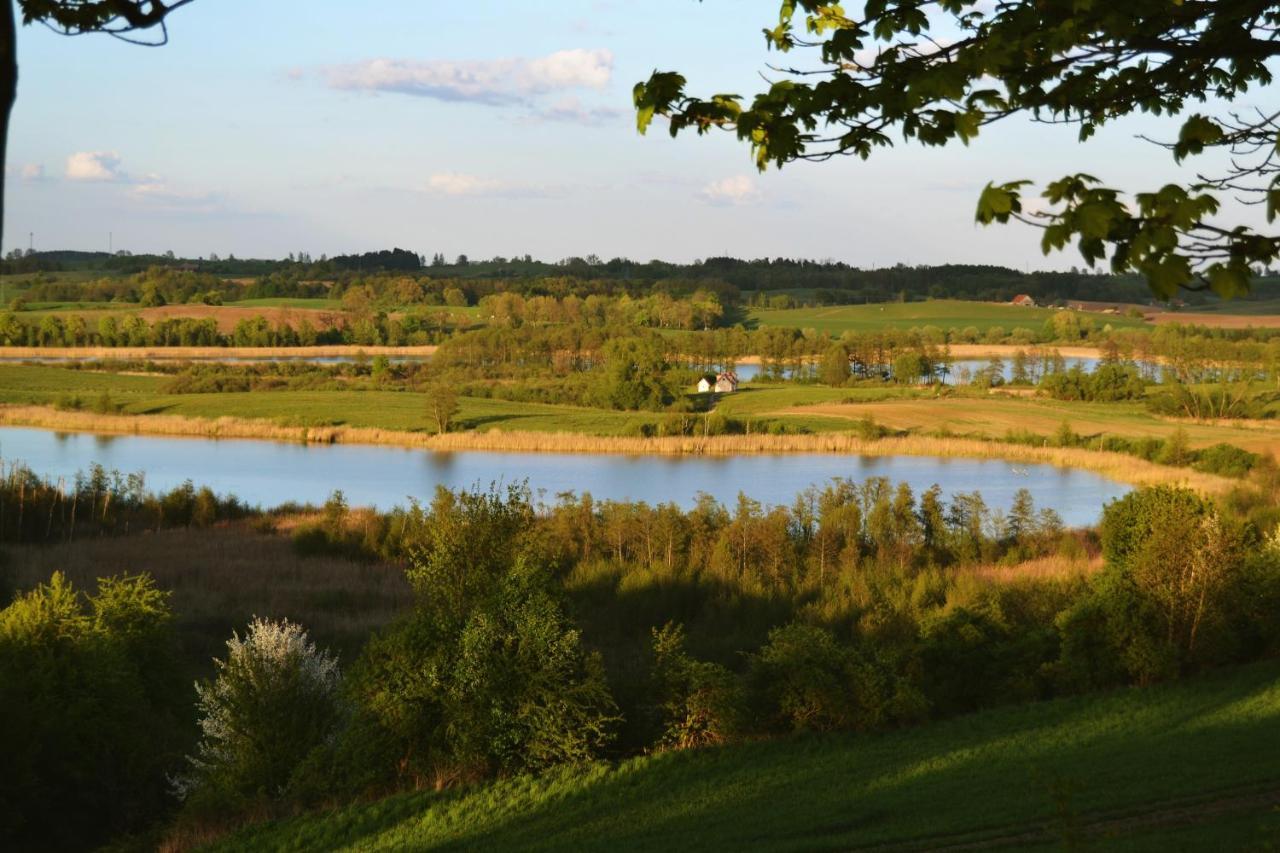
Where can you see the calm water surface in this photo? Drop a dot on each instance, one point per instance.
(270, 473)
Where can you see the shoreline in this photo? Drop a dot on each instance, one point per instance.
(15, 353)
(1114, 466)
(181, 353)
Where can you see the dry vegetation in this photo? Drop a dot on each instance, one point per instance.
(231, 353)
(221, 577)
(996, 414)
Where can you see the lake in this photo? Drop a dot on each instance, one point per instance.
(269, 473)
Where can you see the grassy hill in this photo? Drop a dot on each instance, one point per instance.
(1183, 767)
(943, 313)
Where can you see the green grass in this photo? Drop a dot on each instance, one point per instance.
(816, 408)
(39, 384)
(1245, 307)
(392, 410)
(1051, 769)
(943, 313)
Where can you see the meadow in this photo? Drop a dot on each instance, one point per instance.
(819, 419)
(942, 313)
(1138, 769)
(995, 415)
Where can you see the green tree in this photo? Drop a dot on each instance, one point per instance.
(1160, 603)
(938, 73)
(634, 375)
(442, 403)
(835, 365)
(910, 367)
(274, 700)
(89, 721)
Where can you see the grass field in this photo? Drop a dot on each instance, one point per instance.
(943, 313)
(992, 416)
(1181, 767)
(817, 409)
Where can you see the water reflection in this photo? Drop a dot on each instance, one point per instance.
(269, 473)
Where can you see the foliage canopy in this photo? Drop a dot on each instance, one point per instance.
(938, 71)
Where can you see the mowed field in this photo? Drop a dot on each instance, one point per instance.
(994, 415)
(1180, 767)
(1219, 319)
(390, 410)
(943, 313)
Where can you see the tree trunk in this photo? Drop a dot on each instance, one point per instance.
(8, 92)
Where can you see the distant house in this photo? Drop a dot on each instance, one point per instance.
(726, 383)
(1024, 300)
(721, 383)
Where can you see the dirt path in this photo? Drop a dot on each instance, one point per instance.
(1167, 814)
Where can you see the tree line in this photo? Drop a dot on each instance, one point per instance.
(556, 635)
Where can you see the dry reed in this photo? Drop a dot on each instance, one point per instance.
(1115, 466)
(221, 577)
(179, 353)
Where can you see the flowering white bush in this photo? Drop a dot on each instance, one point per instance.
(1273, 542)
(274, 699)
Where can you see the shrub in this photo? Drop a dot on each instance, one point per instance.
(1226, 460)
(89, 722)
(483, 678)
(803, 679)
(274, 699)
(700, 703)
(1172, 564)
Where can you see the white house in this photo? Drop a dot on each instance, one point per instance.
(725, 383)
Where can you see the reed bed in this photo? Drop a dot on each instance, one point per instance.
(1008, 350)
(179, 353)
(1052, 567)
(1115, 466)
(223, 576)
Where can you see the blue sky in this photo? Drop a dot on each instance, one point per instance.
(482, 128)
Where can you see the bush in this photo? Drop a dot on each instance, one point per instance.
(1172, 565)
(700, 703)
(89, 722)
(274, 700)
(1226, 460)
(487, 675)
(803, 680)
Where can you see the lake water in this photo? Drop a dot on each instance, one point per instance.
(268, 473)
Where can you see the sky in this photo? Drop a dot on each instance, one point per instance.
(482, 128)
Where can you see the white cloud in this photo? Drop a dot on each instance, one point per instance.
(462, 184)
(739, 189)
(496, 81)
(457, 183)
(570, 109)
(95, 166)
(157, 192)
(33, 172)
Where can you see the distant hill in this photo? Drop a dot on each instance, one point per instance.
(808, 282)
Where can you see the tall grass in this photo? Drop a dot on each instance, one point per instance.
(1115, 466)
(129, 353)
(222, 577)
